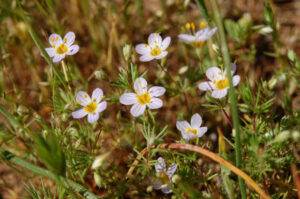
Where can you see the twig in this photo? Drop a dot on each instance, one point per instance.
(206, 153)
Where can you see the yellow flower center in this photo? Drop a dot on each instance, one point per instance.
(189, 130)
(155, 51)
(163, 178)
(61, 49)
(144, 98)
(221, 84)
(199, 44)
(91, 107)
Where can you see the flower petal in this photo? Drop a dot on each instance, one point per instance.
(137, 110)
(155, 103)
(97, 95)
(187, 38)
(69, 38)
(211, 32)
(166, 42)
(204, 86)
(196, 121)
(72, 49)
(214, 73)
(101, 107)
(162, 55)
(235, 80)
(55, 39)
(83, 98)
(140, 85)
(233, 68)
(166, 189)
(58, 58)
(182, 125)
(92, 118)
(154, 39)
(50, 51)
(146, 58)
(142, 49)
(160, 165)
(201, 131)
(156, 91)
(201, 32)
(219, 93)
(80, 113)
(128, 99)
(171, 170)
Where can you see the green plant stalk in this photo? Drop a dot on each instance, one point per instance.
(234, 111)
(41, 47)
(8, 156)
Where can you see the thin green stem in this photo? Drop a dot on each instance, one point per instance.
(234, 111)
(64, 66)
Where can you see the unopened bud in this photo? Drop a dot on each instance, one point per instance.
(151, 141)
(98, 162)
(265, 30)
(292, 55)
(73, 132)
(127, 51)
(284, 135)
(99, 74)
(183, 70)
(149, 189)
(296, 136)
(98, 179)
(244, 108)
(176, 179)
(272, 83)
(64, 117)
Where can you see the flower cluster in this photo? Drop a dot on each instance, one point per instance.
(142, 97)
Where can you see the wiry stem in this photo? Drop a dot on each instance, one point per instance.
(234, 112)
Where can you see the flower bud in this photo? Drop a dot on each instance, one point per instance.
(284, 135)
(272, 83)
(98, 179)
(292, 55)
(183, 70)
(176, 179)
(149, 189)
(127, 51)
(296, 136)
(99, 160)
(99, 74)
(64, 117)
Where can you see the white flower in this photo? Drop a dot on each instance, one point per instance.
(188, 131)
(143, 97)
(164, 175)
(155, 49)
(200, 36)
(61, 47)
(91, 106)
(218, 83)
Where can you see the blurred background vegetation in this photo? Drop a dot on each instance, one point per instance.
(269, 97)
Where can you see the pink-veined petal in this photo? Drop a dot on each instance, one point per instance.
(214, 73)
(162, 55)
(140, 85)
(166, 42)
(201, 131)
(80, 113)
(137, 110)
(55, 39)
(101, 107)
(128, 98)
(69, 38)
(97, 95)
(165, 189)
(156, 91)
(83, 98)
(146, 58)
(50, 51)
(92, 118)
(182, 125)
(171, 170)
(155, 103)
(142, 49)
(160, 165)
(204, 86)
(154, 39)
(58, 58)
(196, 121)
(235, 80)
(219, 93)
(72, 49)
(187, 38)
